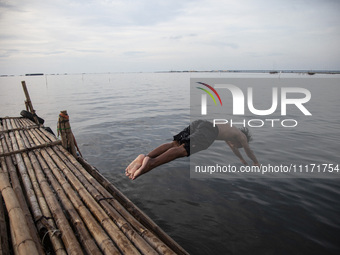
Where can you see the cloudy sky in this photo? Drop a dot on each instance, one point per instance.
(98, 36)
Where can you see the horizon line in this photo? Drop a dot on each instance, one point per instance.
(271, 71)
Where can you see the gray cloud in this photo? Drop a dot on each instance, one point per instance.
(134, 53)
(169, 34)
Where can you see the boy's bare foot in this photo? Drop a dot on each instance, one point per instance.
(137, 163)
(143, 169)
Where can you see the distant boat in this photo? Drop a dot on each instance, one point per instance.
(33, 74)
(311, 73)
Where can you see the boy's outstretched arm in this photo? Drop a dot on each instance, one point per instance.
(250, 154)
(237, 153)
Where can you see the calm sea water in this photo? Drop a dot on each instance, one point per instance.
(115, 117)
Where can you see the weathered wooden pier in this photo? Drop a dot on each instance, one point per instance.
(53, 202)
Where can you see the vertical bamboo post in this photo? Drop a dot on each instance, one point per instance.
(64, 129)
(28, 102)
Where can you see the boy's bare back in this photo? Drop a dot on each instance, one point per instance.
(228, 133)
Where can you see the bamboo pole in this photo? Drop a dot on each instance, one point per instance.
(24, 241)
(20, 128)
(22, 125)
(149, 236)
(112, 230)
(52, 232)
(69, 238)
(14, 244)
(45, 218)
(120, 240)
(48, 135)
(152, 239)
(133, 209)
(22, 162)
(27, 122)
(117, 212)
(74, 206)
(16, 184)
(92, 188)
(70, 241)
(4, 248)
(24, 167)
(8, 117)
(4, 242)
(30, 148)
(18, 191)
(4, 124)
(99, 235)
(28, 102)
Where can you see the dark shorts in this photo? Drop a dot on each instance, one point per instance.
(198, 136)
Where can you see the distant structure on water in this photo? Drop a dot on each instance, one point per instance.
(34, 74)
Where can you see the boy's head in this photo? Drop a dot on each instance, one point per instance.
(246, 131)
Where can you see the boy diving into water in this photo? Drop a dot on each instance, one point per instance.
(194, 138)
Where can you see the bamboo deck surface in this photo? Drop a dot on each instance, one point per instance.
(54, 203)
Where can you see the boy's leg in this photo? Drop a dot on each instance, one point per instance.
(150, 163)
(137, 163)
(162, 148)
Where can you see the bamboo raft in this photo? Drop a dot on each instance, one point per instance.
(54, 202)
